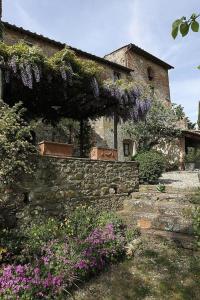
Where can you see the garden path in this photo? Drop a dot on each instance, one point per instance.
(181, 179)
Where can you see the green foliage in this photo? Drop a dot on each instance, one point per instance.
(160, 123)
(107, 218)
(161, 188)
(62, 86)
(81, 222)
(193, 155)
(16, 150)
(183, 25)
(179, 111)
(52, 256)
(55, 86)
(151, 165)
(196, 225)
(38, 232)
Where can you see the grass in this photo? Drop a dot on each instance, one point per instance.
(195, 197)
(159, 270)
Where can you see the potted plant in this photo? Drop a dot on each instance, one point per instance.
(100, 153)
(47, 148)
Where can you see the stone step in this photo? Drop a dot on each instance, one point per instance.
(161, 196)
(173, 223)
(181, 240)
(161, 207)
(169, 189)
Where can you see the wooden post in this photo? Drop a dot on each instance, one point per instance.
(81, 138)
(116, 120)
(182, 154)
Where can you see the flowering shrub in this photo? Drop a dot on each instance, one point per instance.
(81, 222)
(27, 282)
(64, 254)
(196, 225)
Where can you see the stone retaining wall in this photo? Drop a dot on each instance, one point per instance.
(59, 185)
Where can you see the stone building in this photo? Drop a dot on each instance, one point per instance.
(128, 61)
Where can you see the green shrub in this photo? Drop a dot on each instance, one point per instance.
(54, 255)
(161, 188)
(151, 165)
(196, 225)
(106, 218)
(39, 232)
(80, 222)
(193, 155)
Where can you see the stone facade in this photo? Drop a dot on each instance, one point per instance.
(124, 62)
(142, 65)
(59, 185)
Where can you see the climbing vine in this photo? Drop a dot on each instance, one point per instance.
(66, 86)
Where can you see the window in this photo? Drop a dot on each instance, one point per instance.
(126, 148)
(150, 73)
(117, 76)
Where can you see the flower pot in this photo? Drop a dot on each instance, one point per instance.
(55, 149)
(100, 153)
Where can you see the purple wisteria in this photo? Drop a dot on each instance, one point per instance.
(130, 104)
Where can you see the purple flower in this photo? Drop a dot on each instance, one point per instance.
(81, 265)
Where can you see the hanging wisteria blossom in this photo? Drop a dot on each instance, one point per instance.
(36, 72)
(7, 76)
(63, 73)
(95, 86)
(69, 72)
(12, 63)
(130, 101)
(29, 75)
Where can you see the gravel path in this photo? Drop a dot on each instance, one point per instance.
(181, 179)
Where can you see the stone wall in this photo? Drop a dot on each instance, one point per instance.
(59, 185)
(104, 129)
(140, 65)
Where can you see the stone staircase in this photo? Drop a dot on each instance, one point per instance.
(166, 214)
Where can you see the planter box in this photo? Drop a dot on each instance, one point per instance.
(55, 149)
(103, 154)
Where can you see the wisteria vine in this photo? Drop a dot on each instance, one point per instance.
(59, 73)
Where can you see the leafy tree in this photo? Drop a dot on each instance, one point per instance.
(160, 123)
(16, 149)
(179, 111)
(183, 25)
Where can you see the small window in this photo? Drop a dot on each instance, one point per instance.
(126, 149)
(117, 76)
(150, 73)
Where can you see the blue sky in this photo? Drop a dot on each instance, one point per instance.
(100, 26)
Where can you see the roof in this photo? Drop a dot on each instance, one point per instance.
(191, 133)
(144, 53)
(62, 45)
